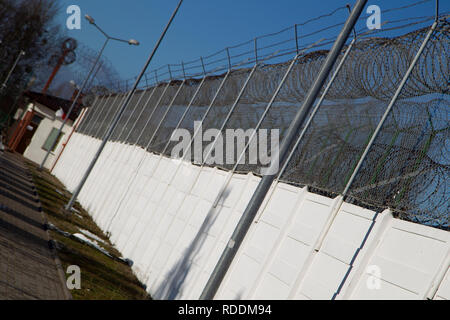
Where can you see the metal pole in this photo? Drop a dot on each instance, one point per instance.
(296, 37)
(229, 58)
(21, 53)
(198, 129)
(83, 113)
(142, 159)
(256, 50)
(300, 138)
(255, 202)
(90, 127)
(153, 111)
(228, 116)
(95, 116)
(203, 66)
(147, 147)
(140, 113)
(119, 98)
(236, 102)
(88, 115)
(311, 118)
(110, 182)
(96, 131)
(195, 133)
(266, 110)
(316, 108)
(94, 190)
(97, 127)
(116, 119)
(170, 72)
(131, 115)
(437, 11)
(389, 108)
(74, 102)
(317, 245)
(151, 115)
(151, 140)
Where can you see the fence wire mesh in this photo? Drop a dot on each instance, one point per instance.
(406, 169)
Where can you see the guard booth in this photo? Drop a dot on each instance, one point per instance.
(37, 125)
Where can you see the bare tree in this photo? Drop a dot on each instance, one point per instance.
(26, 25)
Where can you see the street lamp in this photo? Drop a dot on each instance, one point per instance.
(21, 53)
(130, 42)
(125, 104)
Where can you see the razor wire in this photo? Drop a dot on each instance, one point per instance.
(407, 168)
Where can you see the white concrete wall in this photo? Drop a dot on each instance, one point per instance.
(300, 246)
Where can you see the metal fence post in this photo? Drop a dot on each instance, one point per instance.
(88, 116)
(256, 50)
(111, 111)
(110, 181)
(197, 131)
(299, 139)
(389, 108)
(252, 208)
(110, 184)
(230, 112)
(85, 120)
(311, 117)
(97, 124)
(120, 111)
(74, 102)
(89, 127)
(142, 159)
(392, 102)
(150, 117)
(159, 126)
(111, 152)
(235, 103)
(3, 86)
(141, 113)
(266, 110)
(76, 125)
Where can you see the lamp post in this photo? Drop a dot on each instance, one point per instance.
(21, 53)
(75, 100)
(116, 118)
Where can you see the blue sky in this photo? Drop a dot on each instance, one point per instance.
(201, 27)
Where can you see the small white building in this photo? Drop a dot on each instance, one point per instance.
(47, 114)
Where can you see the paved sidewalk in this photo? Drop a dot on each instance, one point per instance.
(28, 268)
